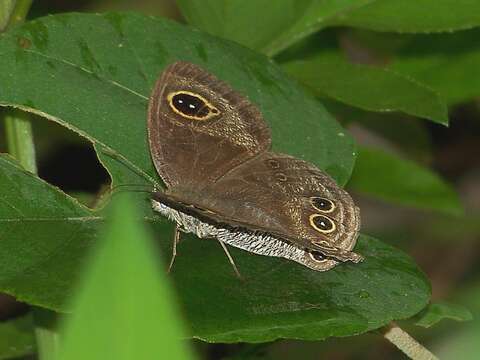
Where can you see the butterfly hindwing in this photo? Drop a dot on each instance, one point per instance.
(287, 197)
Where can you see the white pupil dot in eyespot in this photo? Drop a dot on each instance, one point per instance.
(191, 106)
(180, 101)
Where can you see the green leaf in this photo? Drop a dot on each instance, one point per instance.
(105, 66)
(401, 181)
(280, 299)
(40, 226)
(463, 342)
(16, 337)
(439, 311)
(283, 22)
(369, 88)
(445, 62)
(404, 132)
(448, 63)
(49, 235)
(93, 74)
(125, 308)
(414, 16)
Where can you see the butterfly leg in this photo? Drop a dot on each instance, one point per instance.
(176, 240)
(224, 247)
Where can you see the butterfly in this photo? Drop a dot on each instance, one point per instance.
(212, 149)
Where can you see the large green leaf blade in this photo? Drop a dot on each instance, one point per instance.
(401, 181)
(273, 302)
(125, 307)
(367, 87)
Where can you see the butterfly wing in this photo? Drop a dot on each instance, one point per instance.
(289, 198)
(199, 128)
(211, 147)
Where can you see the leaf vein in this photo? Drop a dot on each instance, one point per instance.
(63, 61)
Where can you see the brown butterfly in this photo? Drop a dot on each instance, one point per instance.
(211, 147)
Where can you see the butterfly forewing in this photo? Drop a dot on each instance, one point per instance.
(199, 128)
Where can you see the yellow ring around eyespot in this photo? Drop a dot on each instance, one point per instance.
(210, 106)
(322, 211)
(313, 216)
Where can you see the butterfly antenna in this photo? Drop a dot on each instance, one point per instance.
(145, 186)
(115, 155)
(117, 189)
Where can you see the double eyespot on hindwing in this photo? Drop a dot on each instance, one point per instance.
(211, 147)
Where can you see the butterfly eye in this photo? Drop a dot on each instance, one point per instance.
(322, 223)
(191, 106)
(322, 204)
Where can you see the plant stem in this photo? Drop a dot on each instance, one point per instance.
(19, 12)
(18, 130)
(18, 127)
(46, 334)
(20, 144)
(6, 8)
(408, 345)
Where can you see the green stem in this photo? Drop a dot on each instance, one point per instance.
(18, 130)
(19, 11)
(408, 345)
(6, 8)
(46, 334)
(18, 127)
(20, 144)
